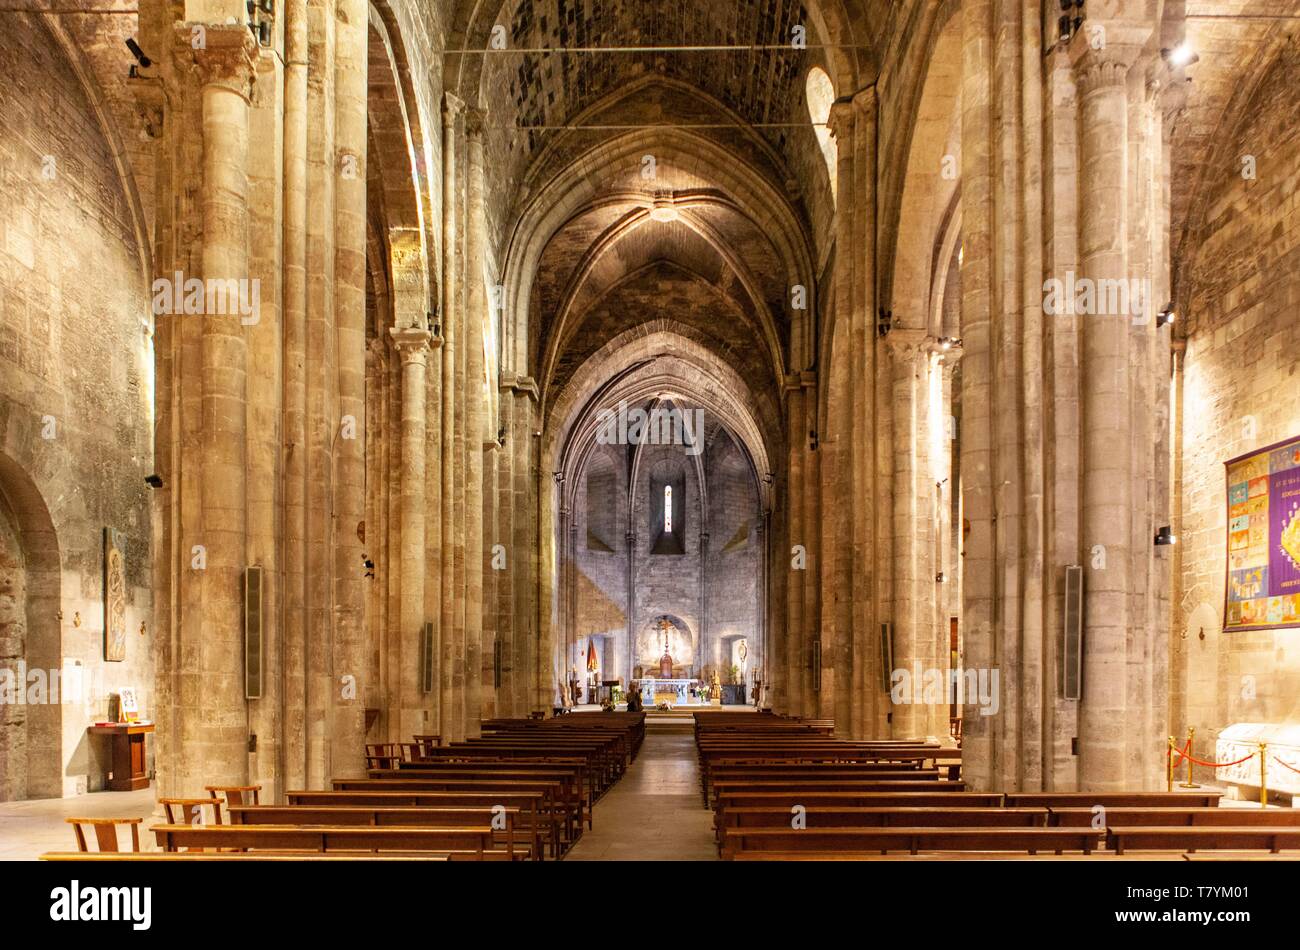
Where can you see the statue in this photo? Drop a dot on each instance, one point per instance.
(715, 691)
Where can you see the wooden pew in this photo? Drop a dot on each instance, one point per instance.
(912, 840)
(1172, 815)
(474, 842)
(536, 809)
(852, 817)
(1202, 799)
(568, 779)
(521, 838)
(840, 785)
(561, 793)
(151, 856)
(784, 800)
(1195, 837)
(1094, 856)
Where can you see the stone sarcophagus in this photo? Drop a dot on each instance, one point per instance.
(1282, 754)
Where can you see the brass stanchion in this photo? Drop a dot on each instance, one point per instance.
(1169, 765)
(1263, 775)
(1191, 734)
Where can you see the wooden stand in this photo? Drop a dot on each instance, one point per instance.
(128, 754)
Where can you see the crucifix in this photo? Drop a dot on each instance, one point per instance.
(665, 661)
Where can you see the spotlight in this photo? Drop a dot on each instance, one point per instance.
(885, 322)
(1165, 316)
(501, 436)
(1164, 536)
(812, 440)
(153, 481)
(1180, 55)
(144, 61)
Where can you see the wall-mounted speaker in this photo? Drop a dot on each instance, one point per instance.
(496, 664)
(426, 658)
(253, 633)
(886, 655)
(817, 664)
(1072, 634)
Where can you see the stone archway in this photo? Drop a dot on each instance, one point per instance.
(31, 740)
(681, 645)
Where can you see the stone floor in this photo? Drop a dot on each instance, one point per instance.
(654, 813)
(29, 829)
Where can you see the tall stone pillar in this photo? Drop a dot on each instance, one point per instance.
(1107, 485)
(347, 728)
(477, 645)
(213, 720)
(818, 660)
(853, 123)
(796, 654)
(294, 399)
(451, 723)
(915, 636)
(413, 346)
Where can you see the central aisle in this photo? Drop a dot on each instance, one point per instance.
(654, 812)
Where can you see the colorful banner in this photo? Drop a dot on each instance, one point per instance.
(1263, 591)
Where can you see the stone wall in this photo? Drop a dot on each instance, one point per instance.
(75, 398)
(1240, 391)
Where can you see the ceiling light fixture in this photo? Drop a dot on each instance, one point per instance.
(1181, 55)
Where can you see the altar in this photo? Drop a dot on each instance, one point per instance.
(676, 692)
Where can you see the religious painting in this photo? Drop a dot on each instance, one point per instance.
(1263, 582)
(114, 596)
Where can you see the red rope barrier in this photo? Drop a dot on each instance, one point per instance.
(1286, 764)
(1218, 765)
(1181, 753)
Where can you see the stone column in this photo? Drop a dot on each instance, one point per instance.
(914, 633)
(809, 493)
(348, 729)
(294, 435)
(796, 652)
(450, 722)
(978, 463)
(477, 644)
(413, 345)
(1107, 485)
(214, 723)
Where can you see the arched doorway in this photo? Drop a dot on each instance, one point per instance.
(31, 724)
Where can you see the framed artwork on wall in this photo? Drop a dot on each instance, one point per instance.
(114, 596)
(1263, 582)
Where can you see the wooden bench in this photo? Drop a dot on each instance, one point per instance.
(150, 856)
(1111, 799)
(1094, 856)
(1195, 837)
(560, 794)
(536, 809)
(521, 838)
(1171, 815)
(474, 842)
(841, 785)
(912, 840)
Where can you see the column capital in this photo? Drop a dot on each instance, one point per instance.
(412, 343)
(452, 106)
(840, 120)
(222, 54)
(904, 343)
(864, 100)
(474, 119)
(1104, 49)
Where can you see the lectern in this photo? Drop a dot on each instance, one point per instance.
(128, 753)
